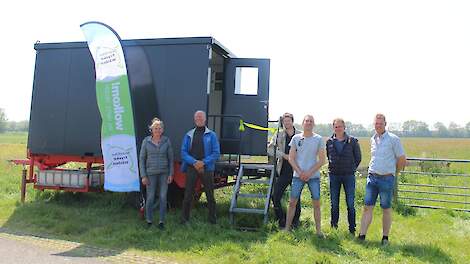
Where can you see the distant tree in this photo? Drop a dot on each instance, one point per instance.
(3, 121)
(327, 130)
(18, 126)
(357, 130)
(441, 130)
(394, 126)
(410, 128)
(23, 125)
(324, 130)
(455, 130)
(413, 128)
(11, 126)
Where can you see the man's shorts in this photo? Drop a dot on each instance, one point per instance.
(379, 185)
(298, 185)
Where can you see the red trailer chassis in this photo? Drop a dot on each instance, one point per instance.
(53, 162)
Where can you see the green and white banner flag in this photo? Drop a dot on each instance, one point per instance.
(114, 102)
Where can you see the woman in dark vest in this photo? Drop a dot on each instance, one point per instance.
(156, 169)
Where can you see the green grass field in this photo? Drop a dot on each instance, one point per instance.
(106, 220)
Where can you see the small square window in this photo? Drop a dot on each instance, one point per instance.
(246, 80)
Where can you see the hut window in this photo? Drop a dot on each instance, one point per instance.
(246, 80)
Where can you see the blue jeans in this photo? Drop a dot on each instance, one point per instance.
(379, 185)
(156, 181)
(349, 185)
(298, 185)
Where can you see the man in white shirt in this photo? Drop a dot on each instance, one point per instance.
(387, 159)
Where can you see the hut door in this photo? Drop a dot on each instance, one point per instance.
(246, 93)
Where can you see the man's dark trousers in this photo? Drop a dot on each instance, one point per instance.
(349, 185)
(208, 181)
(280, 187)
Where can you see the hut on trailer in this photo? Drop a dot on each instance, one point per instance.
(169, 78)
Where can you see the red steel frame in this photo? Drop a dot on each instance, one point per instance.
(52, 162)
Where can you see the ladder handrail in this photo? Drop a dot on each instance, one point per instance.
(236, 188)
(268, 196)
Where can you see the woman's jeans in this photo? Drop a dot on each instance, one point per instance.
(158, 181)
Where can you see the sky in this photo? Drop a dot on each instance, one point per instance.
(350, 59)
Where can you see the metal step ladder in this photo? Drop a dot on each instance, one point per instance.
(264, 176)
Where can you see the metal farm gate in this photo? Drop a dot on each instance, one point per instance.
(435, 183)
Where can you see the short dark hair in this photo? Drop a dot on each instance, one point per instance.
(338, 120)
(288, 115)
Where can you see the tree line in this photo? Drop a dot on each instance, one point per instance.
(410, 128)
(419, 129)
(12, 126)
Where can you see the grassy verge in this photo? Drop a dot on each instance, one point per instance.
(106, 220)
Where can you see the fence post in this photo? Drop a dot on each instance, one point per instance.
(395, 188)
(23, 184)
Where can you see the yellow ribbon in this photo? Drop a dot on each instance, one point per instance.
(256, 127)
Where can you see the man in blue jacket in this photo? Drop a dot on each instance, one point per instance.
(199, 151)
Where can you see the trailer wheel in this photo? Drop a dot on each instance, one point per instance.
(175, 196)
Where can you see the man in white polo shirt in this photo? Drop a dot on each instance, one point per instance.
(387, 159)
